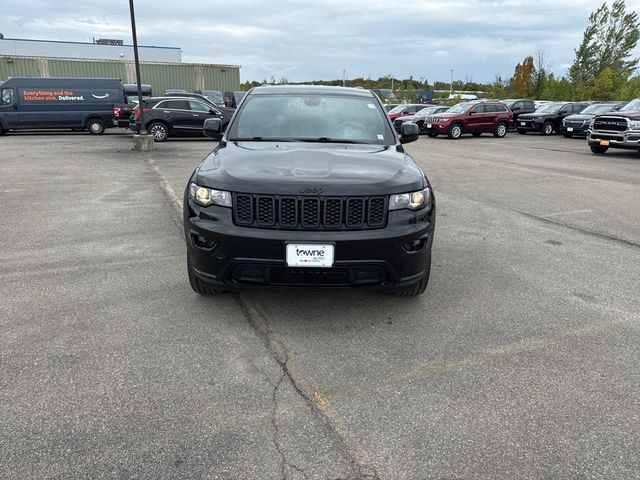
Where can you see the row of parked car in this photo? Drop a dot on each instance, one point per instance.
(476, 117)
(94, 104)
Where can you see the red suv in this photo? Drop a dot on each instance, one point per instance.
(470, 117)
(405, 110)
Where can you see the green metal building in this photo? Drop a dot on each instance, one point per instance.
(161, 75)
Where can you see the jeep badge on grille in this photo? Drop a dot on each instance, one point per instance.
(310, 190)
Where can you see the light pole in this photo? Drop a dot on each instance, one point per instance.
(451, 84)
(141, 142)
(344, 76)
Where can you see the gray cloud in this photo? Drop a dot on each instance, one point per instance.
(317, 40)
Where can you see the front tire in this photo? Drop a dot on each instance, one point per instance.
(159, 131)
(598, 150)
(455, 131)
(501, 130)
(419, 287)
(95, 126)
(547, 128)
(197, 285)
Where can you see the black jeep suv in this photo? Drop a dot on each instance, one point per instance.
(165, 117)
(321, 195)
(548, 118)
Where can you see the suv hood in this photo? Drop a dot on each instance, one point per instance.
(295, 168)
(629, 115)
(534, 114)
(581, 116)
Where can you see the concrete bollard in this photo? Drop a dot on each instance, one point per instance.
(143, 142)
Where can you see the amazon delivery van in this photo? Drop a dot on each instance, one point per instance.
(43, 103)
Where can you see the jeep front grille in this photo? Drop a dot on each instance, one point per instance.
(309, 212)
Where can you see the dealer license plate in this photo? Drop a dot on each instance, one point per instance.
(309, 255)
(569, 129)
(604, 143)
(428, 125)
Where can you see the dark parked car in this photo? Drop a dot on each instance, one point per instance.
(475, 117)
(519, 107)
(419, 117)
(548, 118)
(404, 110)
(578, 123)
(321, 195)
(165, 117)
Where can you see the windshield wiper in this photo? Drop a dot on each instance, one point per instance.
(329, 140)
(260, 139)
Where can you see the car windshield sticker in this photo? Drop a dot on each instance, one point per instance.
(380, 137)
(371, 105)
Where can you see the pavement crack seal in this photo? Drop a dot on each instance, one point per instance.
(312, 396)
(603, 236)
(276, 431)
(428, 370)
(174, 200)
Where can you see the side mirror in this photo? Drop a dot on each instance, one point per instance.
(213, 128)
(563, 112)
(409, 132)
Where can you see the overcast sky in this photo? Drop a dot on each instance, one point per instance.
(313, 40)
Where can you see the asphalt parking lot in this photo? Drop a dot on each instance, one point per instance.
(520, 361)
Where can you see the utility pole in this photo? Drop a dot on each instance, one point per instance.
(451, 84)
(344, 76)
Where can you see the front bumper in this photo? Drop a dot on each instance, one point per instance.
(438, 128)
(628, 140)
(529, 125)
(575, 129)
(225, 255)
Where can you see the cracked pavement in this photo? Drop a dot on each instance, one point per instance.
(520, 361)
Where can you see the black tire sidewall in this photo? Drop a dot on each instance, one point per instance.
(452, 130)
(495, 132)
(158, 124)
(95, 131)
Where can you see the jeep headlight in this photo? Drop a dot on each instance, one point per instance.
(442, 119)
(411, 200)
(208, 196)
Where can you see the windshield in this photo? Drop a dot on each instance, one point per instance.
(509, 103)
(426, 111)
(313, 118)
(134, 99)
(215, 98)
(549, 108)
(596, 109)
(398, 109)
(632, 106)
(460, 108)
